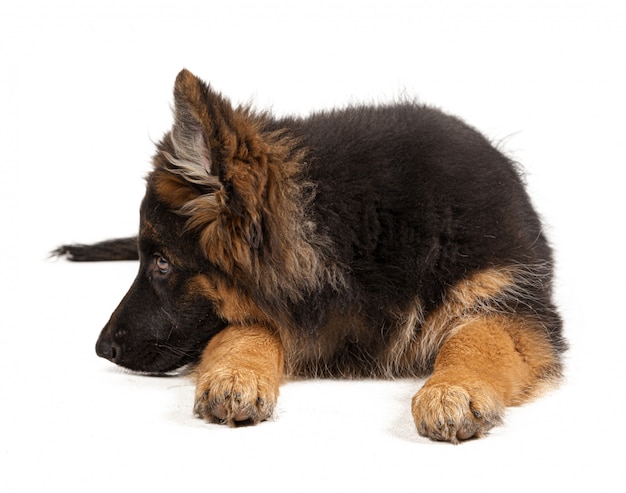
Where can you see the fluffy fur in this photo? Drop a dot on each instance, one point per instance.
(371, 241)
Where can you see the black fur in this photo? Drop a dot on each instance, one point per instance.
(414, 201)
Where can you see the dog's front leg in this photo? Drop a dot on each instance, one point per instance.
(239, 375)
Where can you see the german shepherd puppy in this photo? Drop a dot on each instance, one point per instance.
(372, 241)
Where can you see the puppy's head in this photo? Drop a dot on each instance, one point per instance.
(220, 233)
(166, 318)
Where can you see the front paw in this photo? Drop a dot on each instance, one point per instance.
(454, 412)
(235, 397)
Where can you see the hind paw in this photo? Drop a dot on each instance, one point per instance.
(454, 413)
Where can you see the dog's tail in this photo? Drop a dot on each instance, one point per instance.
(109, 250)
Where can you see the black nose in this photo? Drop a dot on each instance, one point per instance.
(108, 349)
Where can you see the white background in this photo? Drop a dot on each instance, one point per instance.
(85, 88)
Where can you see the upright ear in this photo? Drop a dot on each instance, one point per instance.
(211, 136)
(204, 122)
(235, 180)
(188, 132)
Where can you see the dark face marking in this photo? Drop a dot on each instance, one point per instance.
(164, 321)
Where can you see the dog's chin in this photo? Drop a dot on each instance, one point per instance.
(159, 366)
(176, 372)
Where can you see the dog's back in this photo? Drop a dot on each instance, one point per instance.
(414, 202)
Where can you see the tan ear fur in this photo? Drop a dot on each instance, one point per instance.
(254, 193)
(214, 142)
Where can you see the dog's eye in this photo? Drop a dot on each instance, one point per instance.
(161, 264)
